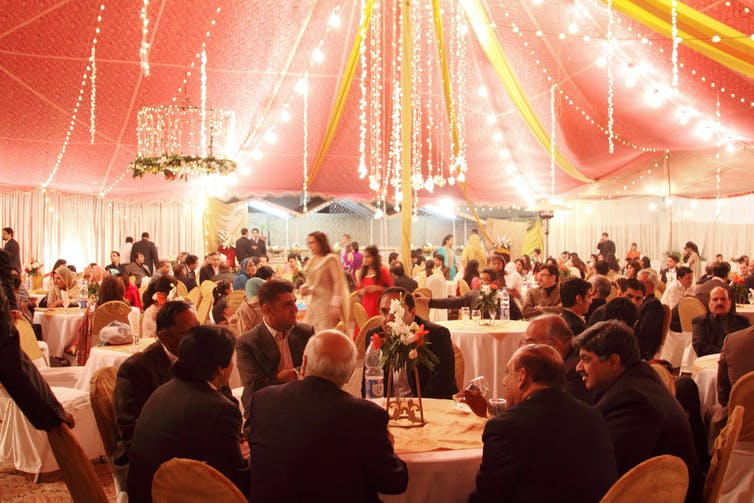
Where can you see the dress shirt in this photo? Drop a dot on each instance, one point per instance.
(281, 340)
(674, 293)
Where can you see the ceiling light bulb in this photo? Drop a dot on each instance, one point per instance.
(573, 28)
(285, 116)
(270, 137)
(497, 137)
(334, 21)
(601, 61)
(318, 55)
(482, 92)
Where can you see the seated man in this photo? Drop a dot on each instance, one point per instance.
(576, 295)
(400, 279)
(679, 288)
(552, 330)
(735, 361)
(536, 451)
(709, 330)
(189, 417)
(649, 327)
(144, 372)
(600, 293)
(546, 298)
(312, 441)
(137, 269)
(643, 418)
(436, 383)
(271, 352)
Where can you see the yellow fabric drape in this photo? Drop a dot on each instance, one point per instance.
(534, 238)
(491, 46)
(221, 217)
(735, 49)
(406, 122)
(340, 101)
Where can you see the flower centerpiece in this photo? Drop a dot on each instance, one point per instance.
(487, 301)
(403, 346)
(740, 292)
(33, 271)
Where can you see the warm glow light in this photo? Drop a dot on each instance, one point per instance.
(491, 119)
(653, 97)
(285, 116)
(482, 92)
(573, 28)
(302, 87)
(716, 38)
(602, 61)
(334, 21)
(497, 137)
(318, 55)
(652, 206)
(270, 137)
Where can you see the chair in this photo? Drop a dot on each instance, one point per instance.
(661, 287)
(205, 306)
(460, 366)
(613, 293)
(724, 444)
(194, 295)
(55, 376)
(662, 479)
(665, 329)
(463, 287)
(75, 467)
(102, 385)
(422, 309)
(688, 308)
(666, 376)
(114, 310)
(207, 287)
(143, 287)
(235, 298)
(359, 314)
(191, 481)
(360, 341)
(180, 289)
(424, 292)
(742, 394)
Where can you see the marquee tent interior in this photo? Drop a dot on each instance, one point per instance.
(623, 111)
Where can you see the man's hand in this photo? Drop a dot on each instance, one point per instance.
(287, 375)
(16, 314)
(421, 299)
(474, 399)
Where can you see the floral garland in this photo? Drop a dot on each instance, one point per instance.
(181, 166)
(402, 343)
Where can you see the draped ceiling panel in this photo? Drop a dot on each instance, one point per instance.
(257, 51)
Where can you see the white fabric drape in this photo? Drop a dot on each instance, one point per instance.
(84, 229)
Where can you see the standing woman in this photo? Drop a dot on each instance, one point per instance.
(691, 258)
(372, 279)
(325, 282)
(449, 258)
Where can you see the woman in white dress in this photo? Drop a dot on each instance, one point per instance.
(325, 282)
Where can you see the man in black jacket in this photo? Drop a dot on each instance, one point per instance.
(148, 249)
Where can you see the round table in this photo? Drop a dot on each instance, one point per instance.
(486, 348)
(443, 457)
(60, 326)
(704, 375)
(746, 310)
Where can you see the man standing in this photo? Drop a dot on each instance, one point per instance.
(211, 269)
(125, 251)
(651, 316)
(345, 240)
(148, 249)
(546, 298)
(312, 441)
(607, 249)
(243, 246)
(709, 330)
(10, 245)
(535, 451)
(258, 246)
(679, 288)
(576, 295)
(272, 352)
(644, 419)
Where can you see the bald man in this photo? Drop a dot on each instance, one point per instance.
(553, 330)
(312, 441)
(534, 452)
(709, 330)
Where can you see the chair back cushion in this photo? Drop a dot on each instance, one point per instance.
(191, 481)
(742, 394)
(28, 340)
(662, 479)
(460, 367)
(101, 388)
(359, 314)
(361, 341)
(195, 295)
(114, 310)
(666, 376)
(235, 298)
(689, 308)
(724, 444)
(76, 469)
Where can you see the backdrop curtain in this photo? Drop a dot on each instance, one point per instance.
(227, 218)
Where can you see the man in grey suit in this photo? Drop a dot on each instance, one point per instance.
(272, 352)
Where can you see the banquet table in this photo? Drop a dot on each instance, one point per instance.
(746, 310)
(443, 457)
(60, 326)
(704, 375)
(486, 348)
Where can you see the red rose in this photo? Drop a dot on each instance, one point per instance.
(492, 286)
(376, 342)
(738, 279)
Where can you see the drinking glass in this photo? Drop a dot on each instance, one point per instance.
(476, 315)
(65, 299)
(751, 296)
(479, 384)
(465, 313)
(496, 406)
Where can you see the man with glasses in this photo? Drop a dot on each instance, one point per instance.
(546, 298)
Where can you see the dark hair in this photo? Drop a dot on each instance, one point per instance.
(578, 264)
(682, 271)
(537, 251)
(635, 265)
(621, 309)
(115, 252)
(633, 284)
(8, 230)
(144, 235)
(720, 269)
(491, 272)
(543, 364)
(179, 270)
(265, 272)
(111, 288)
(571, 288)
(163, 284)
(292, 256)
(244, 231)
(355, 246)
(376, 266)
(191, 260)
(646, 262)
(552, 269)
(446, 239)
(71, 267)
(270, 290)
(674, 258)
(221, 288)
(254, 229)
(129, 239)
(166, 315)
(602, 267)
(392, 256)
(322, 241)
(691, 245)
(397, 290)
(203, 350)
(58, 263)
(397, 270)
(440, 256)
(471, 271)
(610, 337)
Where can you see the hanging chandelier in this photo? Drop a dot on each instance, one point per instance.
(179, 141)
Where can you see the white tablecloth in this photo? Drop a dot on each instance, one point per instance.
(487, 348)
(746, 310)
(59, 327)
(705, 377)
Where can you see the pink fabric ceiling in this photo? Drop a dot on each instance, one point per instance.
(258, 50)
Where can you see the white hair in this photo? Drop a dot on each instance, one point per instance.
(333, 360)
(651, 276)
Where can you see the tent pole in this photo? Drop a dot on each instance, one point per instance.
(407, 205)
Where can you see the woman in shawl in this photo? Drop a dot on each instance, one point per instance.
(473, 251)
(63, 280)
(325, 282)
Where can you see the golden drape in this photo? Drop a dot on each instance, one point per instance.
(222, 217)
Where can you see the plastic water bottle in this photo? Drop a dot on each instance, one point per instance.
(373, 373)
(83, 294)
(505, 305)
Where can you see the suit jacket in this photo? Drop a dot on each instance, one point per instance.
(575, 322)
(14, 253)
(702, 292)
(188, 281)
(574, 383)
(186, 419)
(205, 273)
(149, 250)
(258, 247)
(709, 331)
(243, 248)
(440, 382)
(526, 442)
(645, 420)
(596, 304)
(648, 327)
(258, 357)
(311, 441)
(735, 361)
(5, 279)
(539, 297)
(138, 271)
(406, 282)
(469, 300)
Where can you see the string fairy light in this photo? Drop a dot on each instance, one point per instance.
(552, 141)
(611, 43)
(674, 34)
(144, 49)
(718, 172)
(74, 114)
(305, 202)
(203, 98)
(92, 96)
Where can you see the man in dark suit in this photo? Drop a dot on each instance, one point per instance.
(137, 270)
(576, 295)
(188, 417)
(671, 269)
(400, 279)
(600, 293)
(649, 327)
(735, 361)
(144, 372)
(709, 330)
(644, 419)
(272, 352)
(312, 441)
(440, 381)
(258, 245)
(536, 438)
(211, 269)
(243, 246)
(10, 245)
(720, 271)
(148, 249)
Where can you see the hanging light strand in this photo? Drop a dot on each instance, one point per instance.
(305, 202)
(718, 142)
(610, 78)
(144, 49)
(674, 34)
(552, 141)
(92, 96)
(204, 101)
(363, 94)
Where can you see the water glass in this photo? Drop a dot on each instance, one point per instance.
(465, 313)
(496, 406)
(479, 384)
(476, 315)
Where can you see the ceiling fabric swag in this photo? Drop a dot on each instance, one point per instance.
(735, 50)
(494, 51)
